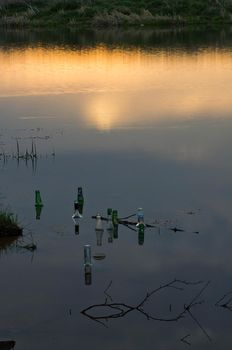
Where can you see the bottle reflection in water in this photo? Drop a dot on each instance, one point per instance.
(141, 230)
(77, 216)
(87, 263)
(99, 235)
(110, 226)
(77, 229)
(115, 232)
(87, 254)
(76, 219)
(78, 208)
(88, 275)
(99, 229)
(38, 211)
(109, 214)
(115, 217)
(110, 234)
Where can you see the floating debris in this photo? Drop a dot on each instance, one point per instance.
(99, 256)
(31, 247)
(175, 229)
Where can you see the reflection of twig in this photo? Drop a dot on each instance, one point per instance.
(223, 303)
(132, 223)
(128, 217)
(184, 339)
(199, 325)
(125, 222)
(176, 229)
(130, 228)
(122, 309)
(105, 292)
(29, 245)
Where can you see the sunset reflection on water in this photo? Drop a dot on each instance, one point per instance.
(123, 89)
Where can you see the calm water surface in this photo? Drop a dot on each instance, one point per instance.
(138, 119)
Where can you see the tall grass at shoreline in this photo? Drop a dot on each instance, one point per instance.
(9, 225)
(104, 13)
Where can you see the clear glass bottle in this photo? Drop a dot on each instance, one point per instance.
(99, 226)
(140, 216)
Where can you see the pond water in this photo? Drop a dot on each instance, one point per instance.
(137, 119)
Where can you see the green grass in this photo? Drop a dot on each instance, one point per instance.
(9, 225)
(105, 13)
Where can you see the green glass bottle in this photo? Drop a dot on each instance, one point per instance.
(80, 197)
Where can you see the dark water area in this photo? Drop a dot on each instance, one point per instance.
(137, 119)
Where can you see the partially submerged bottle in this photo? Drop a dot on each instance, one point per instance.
(76, 215)
(79, 207)
(80, 197)
(99, 226)
(99, 229)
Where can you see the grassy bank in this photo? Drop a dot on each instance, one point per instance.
(105, 13)
(9, 225)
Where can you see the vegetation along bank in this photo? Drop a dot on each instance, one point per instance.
(113, 13)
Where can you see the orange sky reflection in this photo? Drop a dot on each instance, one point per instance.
(124, 88)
